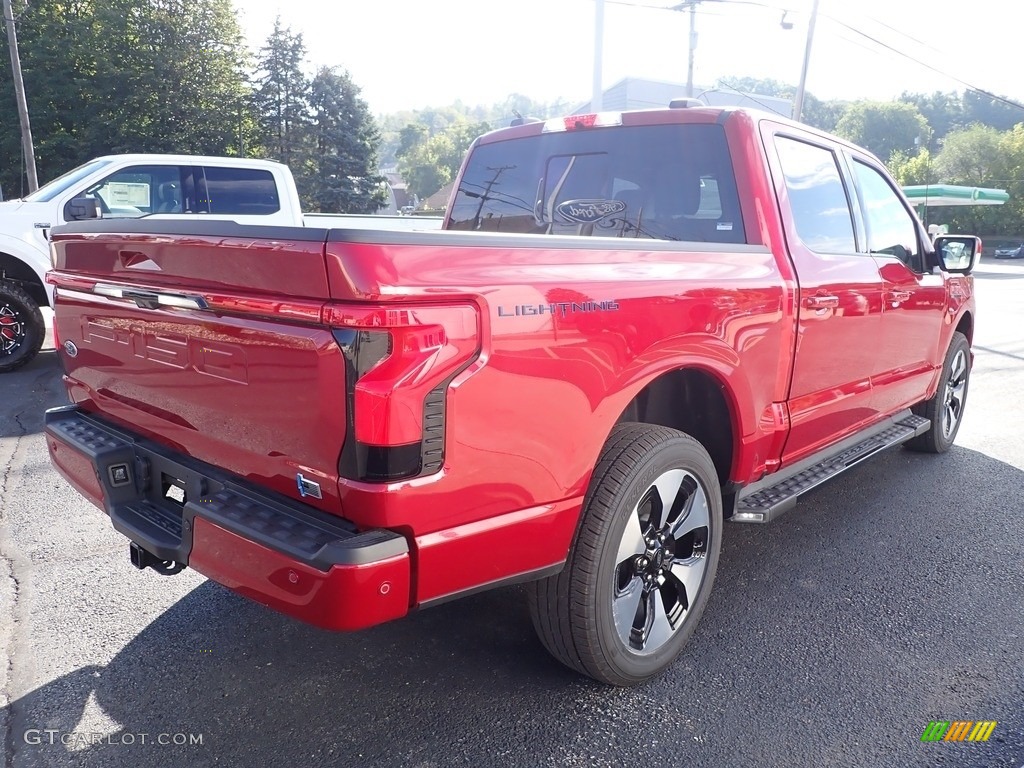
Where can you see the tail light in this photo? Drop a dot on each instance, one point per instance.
(399, 364)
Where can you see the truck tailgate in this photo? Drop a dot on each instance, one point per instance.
(209, 344)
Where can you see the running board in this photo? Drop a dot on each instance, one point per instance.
(763, 504)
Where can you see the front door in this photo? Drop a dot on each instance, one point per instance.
(906, 353)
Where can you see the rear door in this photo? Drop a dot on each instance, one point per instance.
(840, 309)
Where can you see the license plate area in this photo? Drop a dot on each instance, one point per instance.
(173, 491)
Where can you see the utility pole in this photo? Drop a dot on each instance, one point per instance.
(798, 104)
(692, 47)
(597, 95)
(27, 148)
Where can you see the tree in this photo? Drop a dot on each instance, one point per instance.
(281, 96)
(823, 115)
(971, 156)
(185, 61)
(431, 164)
(409, 137)
(979, 108)
(884, 127)
(910, 169)
(943, 111)
(342, 170)
(128, 76)
(765, 86)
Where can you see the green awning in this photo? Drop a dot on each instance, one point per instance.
(950, 194)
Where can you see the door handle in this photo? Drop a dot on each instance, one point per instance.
(821, 302)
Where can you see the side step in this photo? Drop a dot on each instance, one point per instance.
(762, 504)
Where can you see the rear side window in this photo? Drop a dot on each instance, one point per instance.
(817, 196)
(667, 182)
(237, 191)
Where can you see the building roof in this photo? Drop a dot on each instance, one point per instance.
(439, 199)
(638, 93)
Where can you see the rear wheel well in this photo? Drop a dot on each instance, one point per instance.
(19, 272)
(693, 402)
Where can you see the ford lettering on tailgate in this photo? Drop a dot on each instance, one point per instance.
(177, 350)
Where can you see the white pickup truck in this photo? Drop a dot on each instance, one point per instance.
(132, 186)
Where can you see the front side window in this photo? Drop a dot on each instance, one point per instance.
(139, 190)
(891, 228)
(666, 182)
(817, 197)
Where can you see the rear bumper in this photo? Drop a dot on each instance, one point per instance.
(293, 558)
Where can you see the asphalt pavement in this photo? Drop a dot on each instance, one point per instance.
(891, 597)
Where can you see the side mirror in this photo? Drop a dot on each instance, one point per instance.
(81, 208)
(958, 254)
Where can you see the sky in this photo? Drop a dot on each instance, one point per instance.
(410, 54)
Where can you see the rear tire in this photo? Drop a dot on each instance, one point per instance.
(21, 327)
(946, 408)
(645, 556)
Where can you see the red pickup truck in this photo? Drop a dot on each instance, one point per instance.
(633, 327)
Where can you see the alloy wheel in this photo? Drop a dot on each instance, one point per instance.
(661, 561)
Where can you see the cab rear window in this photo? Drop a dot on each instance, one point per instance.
(665, 182)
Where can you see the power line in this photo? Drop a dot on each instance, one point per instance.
(856, 31)
(970, 86)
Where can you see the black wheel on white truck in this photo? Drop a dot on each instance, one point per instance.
(21, 327)
(641, 569)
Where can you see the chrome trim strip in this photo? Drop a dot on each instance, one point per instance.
(180, 300)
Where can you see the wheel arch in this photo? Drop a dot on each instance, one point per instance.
(697, 399)
(965, 325)
(17, 269)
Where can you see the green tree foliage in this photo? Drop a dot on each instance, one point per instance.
(823, 115)
(971, 156)
(910, 169)
(281, 97)
(943, 111)
(185, 61)
(342, 175)
(979, 108)
(435, 161)
(126, 76)
(434, 120)
(884, 127)
(765, 86)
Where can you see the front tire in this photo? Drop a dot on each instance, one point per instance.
(645, 556)
(21, 327)
(946, 408)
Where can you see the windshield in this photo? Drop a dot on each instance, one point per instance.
(49, 191)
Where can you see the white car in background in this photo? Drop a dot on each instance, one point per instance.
(248, 191)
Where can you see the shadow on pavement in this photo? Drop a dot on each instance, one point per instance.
(27, 392)
(870, 610)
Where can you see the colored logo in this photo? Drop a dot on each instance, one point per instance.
(958, 730)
